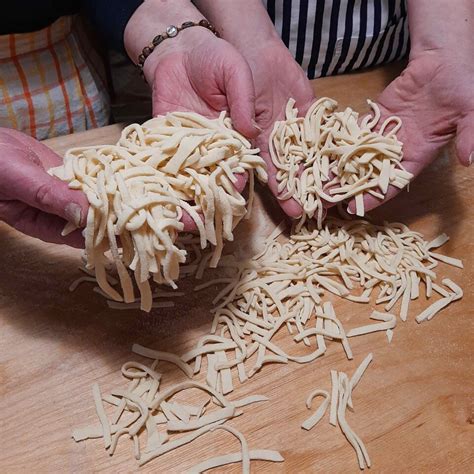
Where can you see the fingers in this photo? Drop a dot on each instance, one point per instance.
(290, 207)
(465, 139)
(189, 223)
(38, 224)
(25, 181)
(242, 178)
(240, 93)
(38, 152)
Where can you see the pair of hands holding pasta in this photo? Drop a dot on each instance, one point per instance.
(251, 74)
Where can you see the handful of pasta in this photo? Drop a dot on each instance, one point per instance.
(139, 188)
(333, 156)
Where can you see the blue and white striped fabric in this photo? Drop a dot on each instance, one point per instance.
(330, 37)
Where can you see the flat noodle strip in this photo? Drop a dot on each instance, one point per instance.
(243, 442)
(319, 413)
(101, 414)
(219, 461)
(354, 440)
(360, 371)
(174, 444)
(334, 397)
(390, 321)
(222, 414)
(166, 356)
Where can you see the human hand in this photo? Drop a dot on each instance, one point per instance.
(203, 74)
(31, 200)
(277, 78)
(198, 72)
(434, 95)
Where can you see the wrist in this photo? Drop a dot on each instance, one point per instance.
(182, 43)
(151, 18)
(245, 24)
(436, 26)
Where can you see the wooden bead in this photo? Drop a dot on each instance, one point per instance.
(157, 40)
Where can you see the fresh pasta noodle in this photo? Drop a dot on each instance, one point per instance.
(273, 291)
(144, 406)
(286, 284)
(139, 188)
(331, 156)
(340, 400)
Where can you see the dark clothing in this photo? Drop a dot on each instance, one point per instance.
(109, 17)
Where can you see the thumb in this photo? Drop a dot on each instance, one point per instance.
(465, 139)
(240, 94)
(25, 181)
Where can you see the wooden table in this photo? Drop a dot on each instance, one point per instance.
(414, 408)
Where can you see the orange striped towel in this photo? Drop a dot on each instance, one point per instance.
(46, 86)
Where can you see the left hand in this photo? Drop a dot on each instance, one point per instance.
(31, 200)
(277, 78)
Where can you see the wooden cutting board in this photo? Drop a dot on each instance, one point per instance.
(414, 407)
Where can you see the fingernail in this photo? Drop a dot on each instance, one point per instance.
(255, 124)
(73, 213)
(349, 211)
(471, 158)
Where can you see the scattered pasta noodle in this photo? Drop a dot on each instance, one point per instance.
(339, 400)
(139, 188)
(283, 289)
(288, 283)
(146, 411)
(331, 156)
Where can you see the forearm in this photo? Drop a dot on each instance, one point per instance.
(152, 18)
(243, 23)
(440, 24)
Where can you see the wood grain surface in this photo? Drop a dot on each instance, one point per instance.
(414, 408)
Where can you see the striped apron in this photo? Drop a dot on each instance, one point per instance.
(46, 86)
(328, 37)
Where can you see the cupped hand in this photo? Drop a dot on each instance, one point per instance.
(277, 78)
(31, 200)
(434, 97)
(198, 72)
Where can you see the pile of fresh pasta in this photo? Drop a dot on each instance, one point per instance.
(288, 284)
(280, 294)
(139, 188)
(332, 156)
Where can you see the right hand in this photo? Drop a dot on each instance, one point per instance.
(198, 72)
(31, 200)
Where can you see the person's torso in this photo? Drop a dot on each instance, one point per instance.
(330, 37)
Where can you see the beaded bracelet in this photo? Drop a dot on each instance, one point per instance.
(171, 32)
